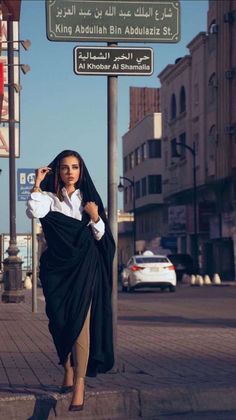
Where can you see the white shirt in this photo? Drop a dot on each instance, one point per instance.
(40, 203)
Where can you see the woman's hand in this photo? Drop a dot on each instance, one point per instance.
(92, 209)
(40, 175)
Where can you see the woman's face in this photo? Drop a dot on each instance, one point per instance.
(69, 170)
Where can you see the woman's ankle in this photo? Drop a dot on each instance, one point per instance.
(68, 376)
(79, 380)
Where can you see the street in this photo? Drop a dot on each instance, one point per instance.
(187, 306)
(186, 339)
(175, 359)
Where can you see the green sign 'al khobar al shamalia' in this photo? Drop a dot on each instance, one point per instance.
(117, 21)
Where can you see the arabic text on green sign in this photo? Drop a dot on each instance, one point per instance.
(75, 20)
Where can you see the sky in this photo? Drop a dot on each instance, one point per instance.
(61, 110)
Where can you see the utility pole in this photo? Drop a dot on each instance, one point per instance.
(12, 276)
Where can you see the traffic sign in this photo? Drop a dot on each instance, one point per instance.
(113, 60)
(25, 182)
(123, 21)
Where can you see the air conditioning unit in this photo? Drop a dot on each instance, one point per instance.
(229, 17)
(230, 129)
(229, 74)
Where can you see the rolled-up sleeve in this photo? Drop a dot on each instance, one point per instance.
(98, 229)
(38, 205)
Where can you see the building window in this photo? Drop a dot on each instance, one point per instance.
(182, 149)
(212, 142)
(125, 163)
(212, 88)
(212, 36)
(137, 157)
(154, 184)
(173, 147)
(130, 193)
(196, 93)
(131, 160)
(143, 152)
(154, 148)
(182, 100)
(173, 107)
(144, 186)
(137, 189)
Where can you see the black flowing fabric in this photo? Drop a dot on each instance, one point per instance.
(75, 271)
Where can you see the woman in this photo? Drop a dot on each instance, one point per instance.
(75, 269)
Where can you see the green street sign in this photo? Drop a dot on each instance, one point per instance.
(113, 21)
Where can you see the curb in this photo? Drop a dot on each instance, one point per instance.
(125, 404)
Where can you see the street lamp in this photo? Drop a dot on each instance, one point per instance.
(26, 43)
(25, 68)
(192, 150)
(121, 188)
(12, 264)
(16, 86)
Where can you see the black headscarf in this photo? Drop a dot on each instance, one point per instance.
(75, 271)
(85, 183)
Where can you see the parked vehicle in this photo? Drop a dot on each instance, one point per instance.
(183, 263)
(148, 271)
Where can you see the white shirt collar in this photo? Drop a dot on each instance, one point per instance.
(76, 192)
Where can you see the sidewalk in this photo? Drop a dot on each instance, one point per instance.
(175, 369)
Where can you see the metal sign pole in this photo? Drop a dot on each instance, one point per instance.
(34, 266)
(112, 89)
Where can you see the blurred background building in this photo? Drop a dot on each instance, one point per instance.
(198, 114)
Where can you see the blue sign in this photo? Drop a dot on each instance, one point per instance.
(25, 183)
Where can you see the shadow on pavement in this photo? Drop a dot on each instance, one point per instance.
(37, 391)
(44, 402)
(180, 321)
(42, 408)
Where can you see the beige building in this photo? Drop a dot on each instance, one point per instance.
(199, 111)
(183, 131)
(143, 168)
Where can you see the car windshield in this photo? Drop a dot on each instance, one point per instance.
(144, 260)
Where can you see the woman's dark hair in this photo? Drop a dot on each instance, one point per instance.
(57, 178)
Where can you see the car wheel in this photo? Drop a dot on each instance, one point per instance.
(130, 289)
(124, 288)
(172, 288)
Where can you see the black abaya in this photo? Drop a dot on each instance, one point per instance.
(76, 270)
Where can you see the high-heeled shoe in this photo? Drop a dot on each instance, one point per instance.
(77, 407)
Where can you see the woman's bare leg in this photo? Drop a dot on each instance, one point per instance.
(81, 352)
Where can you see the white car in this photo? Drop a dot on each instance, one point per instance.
(148, 271)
